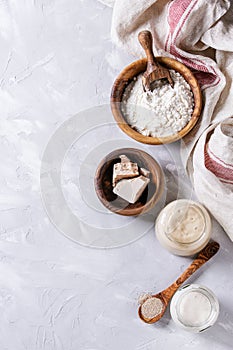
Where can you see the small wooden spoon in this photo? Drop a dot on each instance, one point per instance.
(154, 70)
(165, 296)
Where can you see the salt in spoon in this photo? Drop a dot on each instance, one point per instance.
(165, 296)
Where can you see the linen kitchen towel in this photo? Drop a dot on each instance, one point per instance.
(213, 172)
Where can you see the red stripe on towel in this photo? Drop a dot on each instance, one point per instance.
(176, 10)
(227, 165)
(178, 13)
(218, 168)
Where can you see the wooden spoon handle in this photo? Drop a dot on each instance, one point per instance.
(205, 254)
(146, 41)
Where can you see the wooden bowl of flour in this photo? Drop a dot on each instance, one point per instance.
(128, 75)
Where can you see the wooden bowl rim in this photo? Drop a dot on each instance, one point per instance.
(150, 203)
(121, 82)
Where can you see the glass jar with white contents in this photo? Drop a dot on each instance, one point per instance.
(183, 227)
(194, 308)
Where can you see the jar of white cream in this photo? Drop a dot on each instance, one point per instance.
(194, 308)
(183, 227)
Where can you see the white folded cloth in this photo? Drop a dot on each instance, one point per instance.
(219, 154)
(198, 33)
(213, 172)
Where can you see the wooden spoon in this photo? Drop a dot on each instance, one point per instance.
(165, 296)
(154, 70)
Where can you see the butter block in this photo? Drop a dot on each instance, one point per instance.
(124, 170)
(131, 189)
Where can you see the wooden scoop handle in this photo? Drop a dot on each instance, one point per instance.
(205, 254)
(146, 41)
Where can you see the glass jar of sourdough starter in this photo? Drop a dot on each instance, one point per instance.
(194, 308)
(183, 227)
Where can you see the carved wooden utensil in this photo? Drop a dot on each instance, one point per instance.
(154, 70)
(165, 296)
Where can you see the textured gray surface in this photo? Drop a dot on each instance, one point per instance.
(57, 59)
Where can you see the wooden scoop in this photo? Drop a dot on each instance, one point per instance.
(154, 70)
(165, 296)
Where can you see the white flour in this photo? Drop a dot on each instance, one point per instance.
(162, 112)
